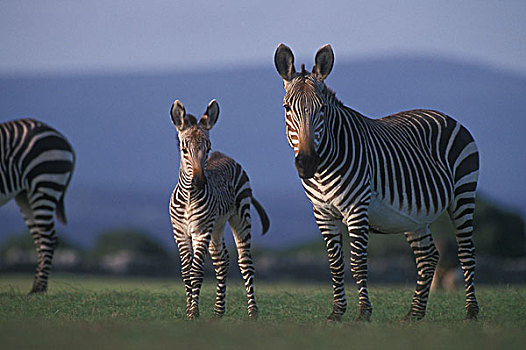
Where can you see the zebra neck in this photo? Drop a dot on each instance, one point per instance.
(340, 141)
(187, 191)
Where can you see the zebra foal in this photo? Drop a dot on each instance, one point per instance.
(390, 175)
(210, 191)
(36, 165)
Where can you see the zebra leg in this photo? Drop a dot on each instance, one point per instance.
(426, 256)
(41, 225)
(200, 247)
(184, 245)
(220, 258)
(331, 231)
(462, 217)
(241, 226)
(358, 228)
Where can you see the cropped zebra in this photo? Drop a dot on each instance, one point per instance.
(36, 165)
(210, 192)
(391, 175)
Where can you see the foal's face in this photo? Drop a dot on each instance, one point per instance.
(194, 145)
(194, 141)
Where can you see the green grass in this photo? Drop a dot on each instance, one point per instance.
(89, 312)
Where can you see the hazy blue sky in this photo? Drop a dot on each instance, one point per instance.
(101, 35)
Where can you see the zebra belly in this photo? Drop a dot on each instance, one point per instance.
(385, 218)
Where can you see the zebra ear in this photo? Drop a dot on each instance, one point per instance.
(323, 62)
(178, 114)
(284, 62)
(209, 119)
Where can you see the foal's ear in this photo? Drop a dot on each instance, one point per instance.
(284, 62)
(323, 62)
(178, 114)
(209, 118)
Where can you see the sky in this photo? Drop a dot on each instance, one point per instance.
(64, 37)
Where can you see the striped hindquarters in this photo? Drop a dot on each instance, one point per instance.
(37, 159)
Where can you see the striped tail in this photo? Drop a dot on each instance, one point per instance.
(265, 222)
(61, 212)
(61, 209)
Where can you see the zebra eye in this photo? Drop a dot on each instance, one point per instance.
(184, 150)
(287, 107)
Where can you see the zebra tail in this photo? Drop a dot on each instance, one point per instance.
(61, 211)
(263, 217)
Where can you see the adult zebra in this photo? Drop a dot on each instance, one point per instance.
(36, 165)
(390, 175)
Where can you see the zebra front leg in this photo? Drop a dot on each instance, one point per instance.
(358, 227)
(241, 225)
(200, 247)
(221, 259)
(184, 245)
(331, 231)
(426, 255)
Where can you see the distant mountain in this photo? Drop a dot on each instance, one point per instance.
(127, 159)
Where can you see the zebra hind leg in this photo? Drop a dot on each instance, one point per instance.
(426, 255)
(461, 215)
(42, 230)
(220, 259)
(241, 229)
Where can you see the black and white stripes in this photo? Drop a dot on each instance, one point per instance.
(210, 191)
(36, 165)
(390, 175)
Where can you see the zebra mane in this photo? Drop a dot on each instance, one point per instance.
(331, 97)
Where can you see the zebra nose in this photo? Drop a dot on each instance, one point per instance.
(306, 164)
(199, 181)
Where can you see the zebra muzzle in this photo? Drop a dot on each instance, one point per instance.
(307, 164)
(199, 181)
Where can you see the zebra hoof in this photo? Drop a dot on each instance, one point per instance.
(411, 316)
(218, 315)
(253, 315)
(38, 290)
(192, 316)
(334, 318)
(472, 311)
(365, 315)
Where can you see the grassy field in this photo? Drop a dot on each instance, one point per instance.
(89, 312)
